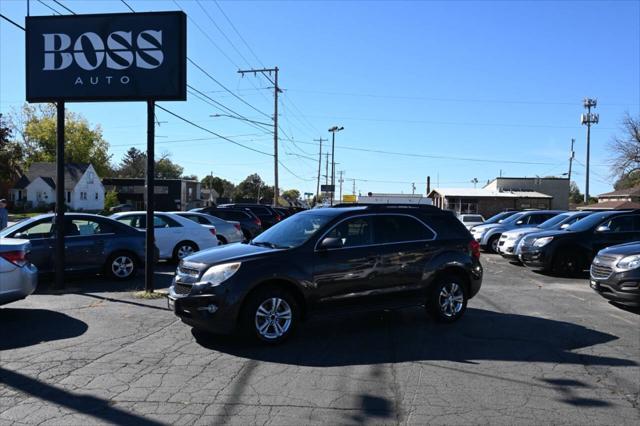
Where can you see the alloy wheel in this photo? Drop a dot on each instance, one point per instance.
(185, 250)
(122, 266)
(451, 300)
(273, 318)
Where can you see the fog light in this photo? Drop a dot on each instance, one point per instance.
(210, 308)
(629, 285)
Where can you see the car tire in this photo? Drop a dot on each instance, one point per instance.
(121, 266)
(447, 299)
(221, 240)
(568, 264)
(271, 315)
(492, 247)
(184, 249)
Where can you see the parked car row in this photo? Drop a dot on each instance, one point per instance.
(605, 242)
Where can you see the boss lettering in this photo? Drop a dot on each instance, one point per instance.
(89, 51)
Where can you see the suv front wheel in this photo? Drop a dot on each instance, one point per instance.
(447, 300)
(272, 315)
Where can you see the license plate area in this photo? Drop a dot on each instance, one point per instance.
(171, 303)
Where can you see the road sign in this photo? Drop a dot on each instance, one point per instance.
(328, 188)
(106, 57)
(349, 198)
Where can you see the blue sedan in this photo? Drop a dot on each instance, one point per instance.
(93, 244)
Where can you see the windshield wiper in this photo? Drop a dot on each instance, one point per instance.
(268, 244)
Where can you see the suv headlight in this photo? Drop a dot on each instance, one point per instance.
(220, 273)
(541, 242)
(628, 263)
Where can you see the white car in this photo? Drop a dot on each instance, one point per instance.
(176, 237)
(18, 277)
(227, 232)
(471, 220)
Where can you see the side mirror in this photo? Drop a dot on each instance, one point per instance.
(520, 222)
(564, 226)
(603, 228)
(331, 243)
(21, 235)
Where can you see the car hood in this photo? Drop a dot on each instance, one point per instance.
(487, 227)
(623, 249)
(228, 253)
(556, 233)
(524, 231)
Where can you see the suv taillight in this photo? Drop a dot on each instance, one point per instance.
(474, 248)
(213, 231)
(18, 258)
(237, 226)
(257, 221)
(278, 218)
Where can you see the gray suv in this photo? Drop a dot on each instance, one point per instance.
(489, 235)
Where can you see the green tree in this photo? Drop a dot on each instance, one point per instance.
(167, 169)
(291, 194)
(134, 165)
(626, 153)
(575, 196)
(223, 187)
(35, 126)
(253, 188)
(10, 156)
(110, 200)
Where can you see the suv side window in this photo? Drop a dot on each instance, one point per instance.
(353, 232)
(537, 219)
(397, 228)
(621, 224)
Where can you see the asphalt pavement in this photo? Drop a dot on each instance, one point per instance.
(531, 349)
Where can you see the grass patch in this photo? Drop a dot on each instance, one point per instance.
(158, 294)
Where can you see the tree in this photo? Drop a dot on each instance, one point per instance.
(626, 153)
(134, 165)
(35, 126)
(10, 156)
(253, 188)
(291, 194)
(223, 187)
(110, 200)
(575, 196)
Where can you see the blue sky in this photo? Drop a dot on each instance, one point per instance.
(495, 83)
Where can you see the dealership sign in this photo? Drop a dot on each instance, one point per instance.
(106, 57)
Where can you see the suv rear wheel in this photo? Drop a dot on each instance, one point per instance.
(271, 315)
(447, 300)
(493, 244)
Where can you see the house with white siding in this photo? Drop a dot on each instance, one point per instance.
(37, 187)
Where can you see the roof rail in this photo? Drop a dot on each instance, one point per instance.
(373, 206)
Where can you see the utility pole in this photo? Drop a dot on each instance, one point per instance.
(571, 157)
(326, 170)
(474, 181)
(588, 119)
(319, 166)
(210, 188)
(333, 131)
(276, 90)
(340, 182)
(413, 188)
(354, 187)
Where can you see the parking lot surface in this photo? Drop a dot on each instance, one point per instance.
(531, 349)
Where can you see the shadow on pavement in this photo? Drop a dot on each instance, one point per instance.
(26, 327)
(85, 404)
(407, 335)
(632, 309)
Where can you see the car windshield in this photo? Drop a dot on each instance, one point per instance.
(11, 229)
(293, 231)
(497, 218)
(554, 221)
(512, 219)
(588, 222)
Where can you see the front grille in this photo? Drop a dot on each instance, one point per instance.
(601, 272)
(182, 289)
(188, 271)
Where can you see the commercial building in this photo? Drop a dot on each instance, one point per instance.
(170, 194)
(557, 188)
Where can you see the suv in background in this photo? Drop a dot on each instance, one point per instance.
(570, 251)
(268, 216)
(488, 235)
(471, 220)
(615, 273)
(330, 260)
(250, 224)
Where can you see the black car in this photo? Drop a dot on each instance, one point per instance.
(615, 273)
(268, 216)
(570, 251)
(250, 224)
(93, 244)
(329, 260)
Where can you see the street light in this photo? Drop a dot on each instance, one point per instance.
(333, 131)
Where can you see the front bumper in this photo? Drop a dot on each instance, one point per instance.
(533, 258)
(621, 287)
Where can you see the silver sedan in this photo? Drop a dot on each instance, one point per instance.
(18, 277)
(226, 231)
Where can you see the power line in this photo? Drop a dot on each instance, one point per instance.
(238, 33)
(127, 4)
(49, 7)
(64, 7)
(12, 22)
(212, 132)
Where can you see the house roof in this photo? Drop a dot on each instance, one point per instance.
(73, 172)
(611, 205)
(629, 192)
(487, 193)
(22, 183)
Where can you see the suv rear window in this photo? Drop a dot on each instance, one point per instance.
(472, 218)
(398, 228)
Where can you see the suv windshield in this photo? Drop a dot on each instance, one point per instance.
(588, 222)
(498, 218)
(512, 219)
(556, 220)
(293, 231)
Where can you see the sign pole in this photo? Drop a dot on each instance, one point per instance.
(60, 199)
(150, 246)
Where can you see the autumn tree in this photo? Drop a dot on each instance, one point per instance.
(626, 154)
